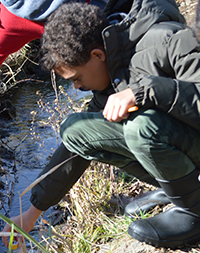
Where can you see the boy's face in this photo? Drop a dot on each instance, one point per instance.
(91, 76)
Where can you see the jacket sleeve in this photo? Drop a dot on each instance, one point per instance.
(179, 96)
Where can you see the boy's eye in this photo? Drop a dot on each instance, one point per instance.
(75, 80)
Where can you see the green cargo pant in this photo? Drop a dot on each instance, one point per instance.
(164, 147)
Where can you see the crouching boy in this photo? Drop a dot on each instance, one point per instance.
(140, 56)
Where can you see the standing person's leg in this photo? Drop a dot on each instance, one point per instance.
(16, 32)
(168, 150)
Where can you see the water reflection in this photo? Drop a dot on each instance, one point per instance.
(28, 158)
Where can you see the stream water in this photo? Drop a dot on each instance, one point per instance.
(29, 157)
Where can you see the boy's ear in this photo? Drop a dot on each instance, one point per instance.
(98, 53)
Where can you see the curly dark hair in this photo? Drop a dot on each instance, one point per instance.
(71, 32)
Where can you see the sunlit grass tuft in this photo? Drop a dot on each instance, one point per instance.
(96, 206)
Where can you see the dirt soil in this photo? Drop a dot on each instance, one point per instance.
(127, 244)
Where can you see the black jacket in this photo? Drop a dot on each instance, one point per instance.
(155, 54)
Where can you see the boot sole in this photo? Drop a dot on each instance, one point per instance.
(164, 243)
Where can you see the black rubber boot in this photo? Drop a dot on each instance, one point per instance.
(136, 170)
(179, 226)
(150, 199)
(146, 203)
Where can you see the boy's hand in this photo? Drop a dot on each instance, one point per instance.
(29, 218)
(117, 105)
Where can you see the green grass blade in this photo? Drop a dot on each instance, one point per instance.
(11, 238)
(22, 232)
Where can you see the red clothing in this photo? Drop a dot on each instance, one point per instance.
(15, 32)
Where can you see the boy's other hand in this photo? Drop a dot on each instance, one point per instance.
(117, 105)
(29, 218)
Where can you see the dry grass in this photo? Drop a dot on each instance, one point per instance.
(93, 209)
